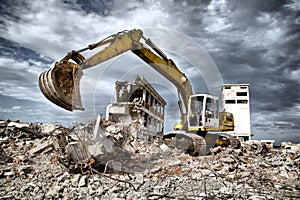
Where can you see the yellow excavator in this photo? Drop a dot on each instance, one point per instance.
(61, 85)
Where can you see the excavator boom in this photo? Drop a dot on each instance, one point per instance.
(61, 84)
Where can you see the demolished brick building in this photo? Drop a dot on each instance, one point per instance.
(138, 101)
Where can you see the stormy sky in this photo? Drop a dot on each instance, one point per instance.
(213, 42)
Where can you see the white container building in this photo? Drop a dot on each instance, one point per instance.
(235, 99)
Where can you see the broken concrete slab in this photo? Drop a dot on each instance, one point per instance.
(83, 181)
(18, 125)
(77, 151)
(40, 147)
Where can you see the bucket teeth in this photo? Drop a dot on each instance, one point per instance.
(61, 85)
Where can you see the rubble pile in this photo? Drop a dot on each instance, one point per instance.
(105, 161)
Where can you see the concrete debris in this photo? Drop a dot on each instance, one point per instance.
(289, 145)
(40, 147)
(49, 161)
(3, 157)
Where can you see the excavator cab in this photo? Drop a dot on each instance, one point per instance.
(203, 113)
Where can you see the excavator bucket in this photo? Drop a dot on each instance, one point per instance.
(61, 84)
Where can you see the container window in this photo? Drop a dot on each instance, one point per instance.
(242, 101)
(227, 87)
(230, 101)
(241, 94)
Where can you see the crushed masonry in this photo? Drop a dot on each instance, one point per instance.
(46, 161)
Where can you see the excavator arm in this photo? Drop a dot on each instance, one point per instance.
(61, 84)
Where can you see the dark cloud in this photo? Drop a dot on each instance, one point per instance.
(101, 7)
(259, 6)
(13, 50)
(10, 10)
